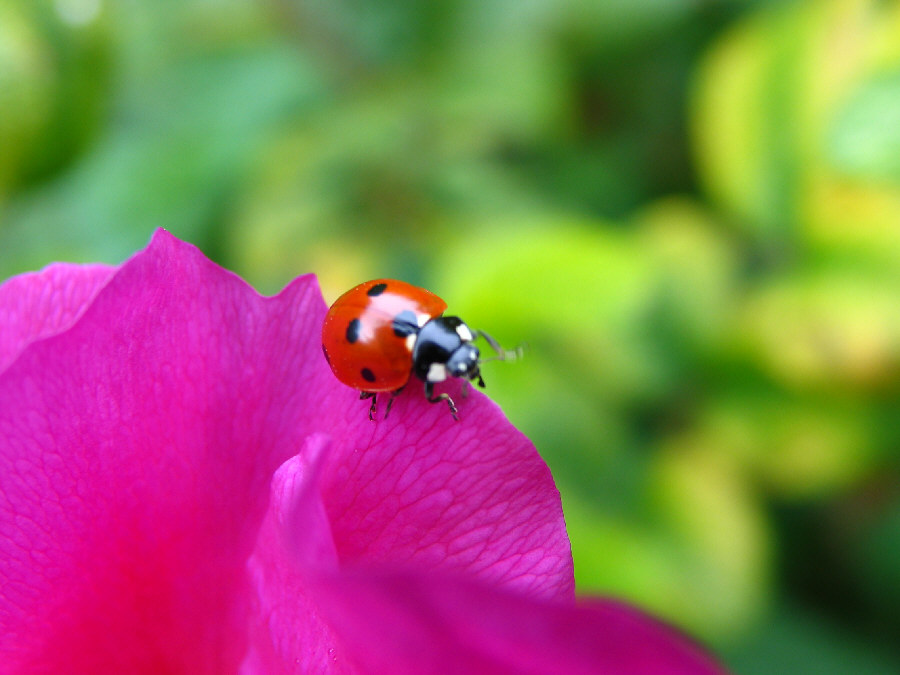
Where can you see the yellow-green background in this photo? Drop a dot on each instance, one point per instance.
(690, 210)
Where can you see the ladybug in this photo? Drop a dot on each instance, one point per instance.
(380, 333)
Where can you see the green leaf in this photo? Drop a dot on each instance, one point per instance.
(168, 162)
(865, 138)
(799, 642)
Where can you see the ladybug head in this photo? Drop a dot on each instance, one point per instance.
(443, 349)
(463, 362)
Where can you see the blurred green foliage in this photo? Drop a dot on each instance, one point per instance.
(689, 210)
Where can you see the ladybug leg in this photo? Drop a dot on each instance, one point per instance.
(429, 393)
(502, 354)
(372, 395)
(468, 383)
(391, 401)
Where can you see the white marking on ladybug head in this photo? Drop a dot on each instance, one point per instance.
(422, 319)
(410, 341)
(437, 372)
(465, 334)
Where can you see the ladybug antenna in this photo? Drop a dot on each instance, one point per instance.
(501, 354)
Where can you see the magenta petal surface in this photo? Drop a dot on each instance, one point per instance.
(38, 304)
(288, 633)
(429, 493)
(361, 616)
(434, 499)
(410, 624)
(137, 449)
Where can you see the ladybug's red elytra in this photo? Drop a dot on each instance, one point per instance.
(378, 334)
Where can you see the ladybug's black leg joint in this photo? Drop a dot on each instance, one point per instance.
(474, 377)
(372, 395)
(391, 401)
(429, 393)
(502, 354)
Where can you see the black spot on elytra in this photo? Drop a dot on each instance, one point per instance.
(377, 289)
(367, 375)
(405, 323)
(353, 331)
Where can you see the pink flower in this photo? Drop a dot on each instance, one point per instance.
(185, 488)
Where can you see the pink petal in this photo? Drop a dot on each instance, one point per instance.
(423, 491)
(363, 616)
(496, 517)
(414, 624)
(38, 304)
(287, 632)
(136, 450)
